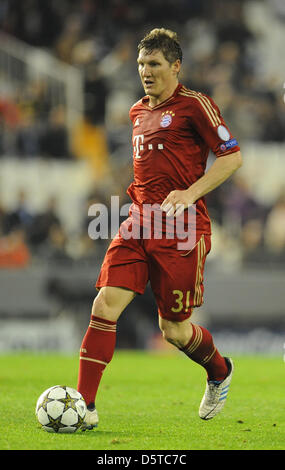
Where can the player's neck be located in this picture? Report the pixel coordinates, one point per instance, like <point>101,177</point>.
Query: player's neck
<point>165,95</point>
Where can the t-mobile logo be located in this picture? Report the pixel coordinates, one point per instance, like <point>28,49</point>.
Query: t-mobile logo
<point>138,141</point>
<point>139,145</point>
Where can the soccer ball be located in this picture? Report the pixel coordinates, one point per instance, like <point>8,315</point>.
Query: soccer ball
<point>61,409</point>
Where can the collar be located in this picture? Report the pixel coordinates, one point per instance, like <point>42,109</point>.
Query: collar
<point>145,99</point>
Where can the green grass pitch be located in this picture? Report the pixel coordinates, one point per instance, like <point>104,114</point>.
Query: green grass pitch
<point>147,401</point>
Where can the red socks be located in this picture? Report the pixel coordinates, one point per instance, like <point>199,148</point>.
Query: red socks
<point>96,352</point>
<point>202,350</point>
<point>98,347</point>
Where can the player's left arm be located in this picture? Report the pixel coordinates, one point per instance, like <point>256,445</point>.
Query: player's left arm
<point>220,171</point>
<point>206,119</point>
<point>222,168</point>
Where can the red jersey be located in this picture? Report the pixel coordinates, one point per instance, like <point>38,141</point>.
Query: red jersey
<point>171,144</point>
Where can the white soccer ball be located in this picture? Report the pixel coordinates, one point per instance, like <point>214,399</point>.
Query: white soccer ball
<point>61,409</point>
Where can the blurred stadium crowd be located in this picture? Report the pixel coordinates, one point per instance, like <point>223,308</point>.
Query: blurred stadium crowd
<point>227,54</point>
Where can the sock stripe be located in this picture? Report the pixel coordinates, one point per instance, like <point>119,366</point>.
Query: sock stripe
<point>209,357</point>
<point>103,320</point>
<point>196,342</point>
<point>93,360</point>
<point>102,326</point>
<point>202,350</point>
<point>96,352</point>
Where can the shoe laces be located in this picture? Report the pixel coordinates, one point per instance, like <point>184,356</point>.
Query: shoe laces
<point>212,390</point>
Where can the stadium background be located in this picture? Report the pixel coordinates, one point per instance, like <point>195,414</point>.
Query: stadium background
<point>67,79</point>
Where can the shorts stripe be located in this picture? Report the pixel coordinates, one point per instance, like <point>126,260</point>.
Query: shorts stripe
<point>198,295</point>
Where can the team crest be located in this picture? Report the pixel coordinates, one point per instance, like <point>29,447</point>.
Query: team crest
<point>166,118</point>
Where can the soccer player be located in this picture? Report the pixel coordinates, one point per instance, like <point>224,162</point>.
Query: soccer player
<point>173,130</point>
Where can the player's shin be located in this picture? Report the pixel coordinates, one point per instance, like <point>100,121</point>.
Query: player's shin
<point>96,352</point>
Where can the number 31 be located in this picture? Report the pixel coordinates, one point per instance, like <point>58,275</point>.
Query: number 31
<point>179,301</point>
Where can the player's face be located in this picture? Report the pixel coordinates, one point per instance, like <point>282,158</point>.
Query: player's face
<point>158,76</point>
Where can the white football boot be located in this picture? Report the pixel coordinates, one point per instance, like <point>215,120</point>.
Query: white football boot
<point>91,420</point>
<point>215,394</point>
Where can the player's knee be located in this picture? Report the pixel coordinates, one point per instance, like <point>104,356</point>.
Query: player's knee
<point>102,307</point>
<point>170,334</point>
<point>107,305</point>
<point>170,338</point>
<point>111,302</point>
<point>176,333</point>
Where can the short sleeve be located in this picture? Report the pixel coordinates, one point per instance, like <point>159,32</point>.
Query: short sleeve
<point>206,119</point>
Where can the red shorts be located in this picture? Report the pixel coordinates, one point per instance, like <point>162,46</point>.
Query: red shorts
<point>176,276</point>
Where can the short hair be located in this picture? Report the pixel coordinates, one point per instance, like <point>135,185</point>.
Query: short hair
<point>164,40</point>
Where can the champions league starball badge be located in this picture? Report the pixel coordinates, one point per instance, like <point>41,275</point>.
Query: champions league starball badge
<point>223,133</point>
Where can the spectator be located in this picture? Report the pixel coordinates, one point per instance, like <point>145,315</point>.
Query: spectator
<point>252,242</point>
<point>240,205</point>
<point>54,140</point>
<point>42,223</point>
<point>14,252</point>
<point>55,248</point>
<point>89,143</point>
<point>95,95</point>
<point>4,220</point>
<point>21,217</point>
<point>28,135</point>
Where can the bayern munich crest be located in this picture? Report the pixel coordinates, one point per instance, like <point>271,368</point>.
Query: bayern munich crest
<point>166,118</point>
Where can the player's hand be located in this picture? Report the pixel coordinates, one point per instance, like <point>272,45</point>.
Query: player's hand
<point>176,202</point>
